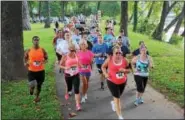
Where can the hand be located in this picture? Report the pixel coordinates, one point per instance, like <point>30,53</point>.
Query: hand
<point>26,64</point>
<point>106,75</point>
<point>122,70</point>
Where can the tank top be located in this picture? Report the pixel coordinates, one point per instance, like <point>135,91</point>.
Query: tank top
<point>72,63</point>
<point>36,59</point>
<point>114,75</point>
<point>141,68</point>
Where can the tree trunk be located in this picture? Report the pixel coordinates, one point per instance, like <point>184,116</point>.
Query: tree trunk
<point>124,16</point>
<point>40,6</point>
<point>178,25</point>
<point>157,34</point>
<point>47,22</point>
<point>12,41</point>
<point>150,11</point>
<point>62,8</point>
<point>135,16</point>
<point>173,22</point>
<point>130,19</point>
<point>183,33</point>
<point>25,16</point>
<point>98,5</point>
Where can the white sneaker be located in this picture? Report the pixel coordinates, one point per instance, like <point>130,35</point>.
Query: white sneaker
<point>70,93</point>
<point>83,100</point>
<point>113,105</point>
<point>85,96</point>
<point>121,118</point>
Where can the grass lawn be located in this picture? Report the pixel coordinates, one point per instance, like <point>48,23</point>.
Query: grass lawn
<point>16,101</point>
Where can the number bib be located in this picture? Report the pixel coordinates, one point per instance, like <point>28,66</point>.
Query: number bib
<point>101,58</point>
<point>36,63</point>
<point>119,75</point>
<point>73,70</point>
<point>84,66</point>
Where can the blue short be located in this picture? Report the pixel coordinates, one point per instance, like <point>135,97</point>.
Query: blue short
<point>87,74</point>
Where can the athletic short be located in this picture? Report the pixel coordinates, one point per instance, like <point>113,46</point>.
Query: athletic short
<point>38,76</point>
<point>140,83</point>
<point>116,90</point>
<point>58,56</point>
<point>87,74</point>
<point>73,81</point>
<point>99,68</point>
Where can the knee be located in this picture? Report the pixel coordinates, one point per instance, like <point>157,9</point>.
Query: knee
<point>76,91</point>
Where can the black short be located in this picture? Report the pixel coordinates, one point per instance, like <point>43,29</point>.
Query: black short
<point>140,83</point>
<point>99,68</point>
<point>73,81</point>
<point>38,76</point>
<point>116,90</point>
<point>58,56</point>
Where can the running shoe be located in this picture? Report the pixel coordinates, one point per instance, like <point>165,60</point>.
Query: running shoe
<point>113,106</point>
<point>121,118</point>
<point>136,103</point>
<point>141,101</point>
<point>83,100</point>
<point>66,96</point>
<point>78,107</point>
<point>70,93</point>
<point>85,96</point>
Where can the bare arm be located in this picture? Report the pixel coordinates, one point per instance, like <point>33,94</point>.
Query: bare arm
<point>26,56</point>
<point>104,66</point>
<point>62,62</point>
<point>151,64</point>
<point>133,62</point>
<point>45,55</point>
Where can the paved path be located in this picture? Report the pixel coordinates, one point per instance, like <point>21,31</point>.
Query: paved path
<point>98,104</point>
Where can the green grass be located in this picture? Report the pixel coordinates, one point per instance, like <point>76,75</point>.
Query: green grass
<point>16,101</point>
<point>168,74</point>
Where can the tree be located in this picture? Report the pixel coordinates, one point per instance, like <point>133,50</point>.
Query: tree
<point>174,20</point>
<point>25,16</point>
<point>63,9</point>
<point>40,6</point>
<point>178,25</point>
<point>12,41</point>
<point>150,11</point>
<point>98,5</point>
<point>135,16</point>
<point>124,16</point>
<point>47,21</point>
<point>157,34</point>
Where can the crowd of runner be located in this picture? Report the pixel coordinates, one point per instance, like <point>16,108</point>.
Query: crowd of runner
<point>78,48</point>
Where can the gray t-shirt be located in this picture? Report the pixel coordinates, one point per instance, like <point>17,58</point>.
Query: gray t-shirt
<point>125,41</point>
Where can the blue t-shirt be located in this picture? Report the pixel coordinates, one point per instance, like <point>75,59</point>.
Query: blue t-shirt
<point>100,48</point>
<point>93,38</point>
<point>109,39</point>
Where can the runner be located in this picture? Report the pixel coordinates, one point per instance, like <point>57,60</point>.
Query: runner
<point>34,60</point>
<point>109,39</point>
<point>76,36</point>
<point>100,53</point>
<point>70,65</point>
<point>142,63</point>
<point>137,51</point>
<point>125,39</point>
<point>116,77</point>
<point>124,48</point>
<point>85,60</point>
<point>85,37</point>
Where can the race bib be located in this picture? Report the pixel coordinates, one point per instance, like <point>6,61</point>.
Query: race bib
<point>119,75</point>
<point>101,58</point>
<point>36,63</point>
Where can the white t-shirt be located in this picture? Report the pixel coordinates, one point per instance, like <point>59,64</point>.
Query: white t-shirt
<point>63,47</point>
<point>76,38</point>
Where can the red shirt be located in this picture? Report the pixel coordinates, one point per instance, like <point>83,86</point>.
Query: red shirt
<point>113,71</point>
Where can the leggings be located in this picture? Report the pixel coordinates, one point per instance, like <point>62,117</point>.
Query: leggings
<point>116,90</point>
<point>140,83</point>
<point>72,81</point>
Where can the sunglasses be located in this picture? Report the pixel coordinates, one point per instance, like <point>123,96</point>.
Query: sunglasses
<point>118,53</point>
<point>73,50</point>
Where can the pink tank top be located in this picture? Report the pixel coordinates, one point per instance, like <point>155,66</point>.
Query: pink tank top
<point>73,64</point>
<point>85,60</point>
<point>114,75</point>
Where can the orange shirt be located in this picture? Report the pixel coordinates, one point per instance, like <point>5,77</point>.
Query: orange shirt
<point>36,59</point>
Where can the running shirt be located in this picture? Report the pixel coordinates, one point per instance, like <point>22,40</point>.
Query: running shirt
<point>76,38</point>
<point>109,39</point>
<point>100,48</point>
<point>72,63</point>
<point>93,38</point>
<point>141,67</point>
<point>36,59</point>
<point>114,75</point>
<point>85,58</point>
